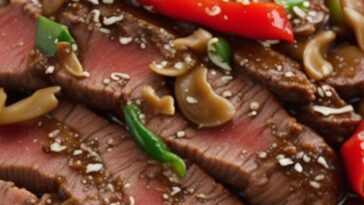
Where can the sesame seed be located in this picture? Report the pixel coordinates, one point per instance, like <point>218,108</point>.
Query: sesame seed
<point>315,184</point>
<point>299,155</point>
<point>77,152</point>
<point>131,200</point>
<point>181,134</point>
<point>227,93</point>
<point>165,196</point>
<point>105,30</point>
<point>285,162</point>
<point>175,190</point>
<point>54,133</point>
<point>178,65</point>
<point>298,167</point>
<point>254,105</point>
<point>125,40</point>
<point>106,81</point>
<point>321,160</point>
<point>289,74</point>
<point>262,155</point>
<point>320,177</point>
<point>201,196</point>
<point>191,100</point>
<point>50,70</point>
<point>56,147</point>
<point>306,158</point>
<point>227,78</point>
<point>280,156</point>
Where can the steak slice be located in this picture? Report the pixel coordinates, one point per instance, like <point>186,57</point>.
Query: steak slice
<point>10,194</point>
<point>258,154</point>
<point>336,128</point>
<point>17,42</point>
<point>53,158</point>
<point>348,75</point>
<point>281,75</point>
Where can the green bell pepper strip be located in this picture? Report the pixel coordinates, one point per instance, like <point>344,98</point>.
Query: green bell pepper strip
<point>289,4</point>
<point>336,12</point>
<point>219,52</point>
<point>48,32</point>
<point>150,143</point>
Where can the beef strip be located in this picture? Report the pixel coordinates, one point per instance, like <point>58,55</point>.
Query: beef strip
<point>16,39</point>
<point>316,18</point>
<point>348,75</point>
<point>336,128</point>
<point>10,194</point>
<point>257,154</point>
<point>281,75</point>
<point>30,157</point>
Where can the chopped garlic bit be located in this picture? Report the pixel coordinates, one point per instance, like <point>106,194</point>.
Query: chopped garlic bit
<point>56,147</point>
<point>92,168</point>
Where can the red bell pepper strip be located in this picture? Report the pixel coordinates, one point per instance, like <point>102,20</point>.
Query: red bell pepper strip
<point>259,20</point>
<point>353,154</point>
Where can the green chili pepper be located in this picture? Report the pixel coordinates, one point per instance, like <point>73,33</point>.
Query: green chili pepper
<point>150,143</point>
<point>219,52</point>
<point>48,33</point>
<point>290,4</point>
<point>336,12</point>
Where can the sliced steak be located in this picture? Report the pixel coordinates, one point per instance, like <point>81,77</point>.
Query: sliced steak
<point>334,127</point>
<point>259,154</point>
<point>348,75</point>
<point>281,75</point>
<point>18,44</point>
<point>98,164</point>
<point>10,194</point>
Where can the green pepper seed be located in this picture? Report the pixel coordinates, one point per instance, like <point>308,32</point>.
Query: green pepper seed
<point>48,33</point>
<point>219,52</point>
<point>150,143</point>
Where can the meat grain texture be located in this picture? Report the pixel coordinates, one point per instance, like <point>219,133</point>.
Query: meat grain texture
<point>128,176</point>
<point>258,152</point>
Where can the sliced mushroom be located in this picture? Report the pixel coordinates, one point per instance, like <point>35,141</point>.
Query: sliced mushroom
<point>316,66</point>
<point>196,41</point>
<point>198,101</point>
<point>68,60</point>
<point>174,68</point>
<point>163,105</point>
<point>355,19</point>
<point>50,7</point>
<point>39,104</point>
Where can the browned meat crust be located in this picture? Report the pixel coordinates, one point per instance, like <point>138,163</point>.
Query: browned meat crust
<point>257,153</point>
<point>335,128</point>
<point>348,76</point>
<point>281,75</point>
<point>128,176</point>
